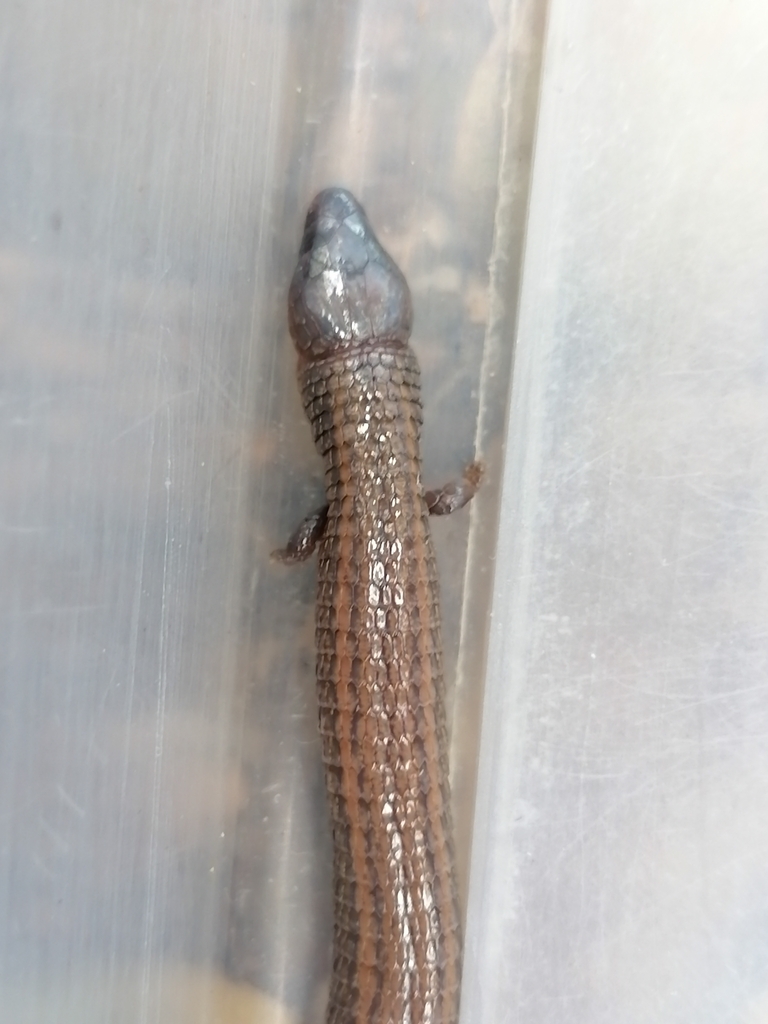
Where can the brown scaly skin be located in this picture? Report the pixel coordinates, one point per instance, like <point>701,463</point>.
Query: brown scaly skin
<point>397,935</point>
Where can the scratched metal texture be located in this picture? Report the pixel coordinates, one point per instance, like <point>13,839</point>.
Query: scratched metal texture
<point>620,858</point>
<point>165,853</point>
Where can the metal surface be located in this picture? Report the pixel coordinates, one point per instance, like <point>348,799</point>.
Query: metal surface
<point>165,853</point>
<point>619,862</point>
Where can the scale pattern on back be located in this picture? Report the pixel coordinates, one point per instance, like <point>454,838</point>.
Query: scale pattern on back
<point>397,942</point>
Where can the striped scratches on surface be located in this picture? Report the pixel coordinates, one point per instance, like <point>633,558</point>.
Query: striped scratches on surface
<point>397,945</point>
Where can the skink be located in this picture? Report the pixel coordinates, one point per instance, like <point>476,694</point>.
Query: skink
<point>397,935</point>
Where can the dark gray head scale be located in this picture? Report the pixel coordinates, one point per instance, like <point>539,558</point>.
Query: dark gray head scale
<point>346,292</point>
